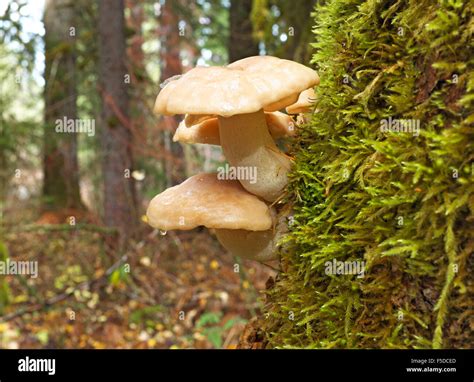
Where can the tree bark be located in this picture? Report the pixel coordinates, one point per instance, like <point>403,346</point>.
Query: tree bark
<point>119,188</point>
<point>60,164</point>
<point>241,41</point>
<point>298,18</point>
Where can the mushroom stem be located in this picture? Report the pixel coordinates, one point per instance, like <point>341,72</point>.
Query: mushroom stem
<point>254,245</point>
<point>247,143</point>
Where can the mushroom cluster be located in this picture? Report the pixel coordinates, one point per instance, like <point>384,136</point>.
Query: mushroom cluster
<point>236,107</point>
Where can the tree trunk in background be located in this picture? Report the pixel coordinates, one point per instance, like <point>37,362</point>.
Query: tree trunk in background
<point>135,21</point>
<point>241,42</point>
<point>171,66</point>
<point>136,64</point>
<point>139,81</point>
<point>298,17</point>
<point>60,164</point>
<point>119,188</point>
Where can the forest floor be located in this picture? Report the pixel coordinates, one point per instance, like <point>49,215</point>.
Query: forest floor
<point>179,290</point>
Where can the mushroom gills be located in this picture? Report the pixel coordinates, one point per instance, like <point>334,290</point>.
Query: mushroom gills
<point>247,143</point>
<point>254,245</point>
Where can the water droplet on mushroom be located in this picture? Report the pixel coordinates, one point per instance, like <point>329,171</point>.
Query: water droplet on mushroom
<point>162,233</point>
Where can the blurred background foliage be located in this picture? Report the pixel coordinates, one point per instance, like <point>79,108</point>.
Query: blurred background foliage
<point>279,28</point>
<point>82,269</point>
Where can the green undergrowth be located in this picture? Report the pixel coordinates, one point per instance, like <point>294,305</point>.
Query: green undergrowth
<point>400,202</point>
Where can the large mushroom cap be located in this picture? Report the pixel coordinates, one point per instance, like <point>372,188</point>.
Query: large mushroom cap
<point>205,200</point>
<point>207,131</point>
<point>245,86</point>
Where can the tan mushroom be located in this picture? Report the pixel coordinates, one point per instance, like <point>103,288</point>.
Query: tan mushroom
<point>243,223</point>
<point>192,120</point>
<point>305,102</point>
<point>207,131</point>
<point>238,95</point>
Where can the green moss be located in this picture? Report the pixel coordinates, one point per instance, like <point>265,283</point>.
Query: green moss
<point>402,203</point>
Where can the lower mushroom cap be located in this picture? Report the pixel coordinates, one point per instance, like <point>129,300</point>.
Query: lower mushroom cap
<point>243,222</point>
<point>254,245</point>
<point>206,200</point>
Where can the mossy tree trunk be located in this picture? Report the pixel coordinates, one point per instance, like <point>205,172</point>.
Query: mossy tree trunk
<point>377,193</point>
